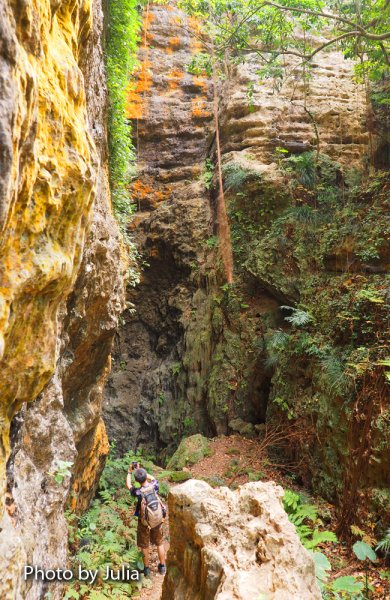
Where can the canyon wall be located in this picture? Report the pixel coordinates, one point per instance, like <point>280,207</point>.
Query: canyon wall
<point>171,112</point>
<point>61,278</point>
<point>199,355</point>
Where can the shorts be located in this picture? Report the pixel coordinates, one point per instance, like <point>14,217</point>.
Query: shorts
<point>146,536</point>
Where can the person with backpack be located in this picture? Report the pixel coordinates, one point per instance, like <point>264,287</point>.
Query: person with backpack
<point>151,513</point>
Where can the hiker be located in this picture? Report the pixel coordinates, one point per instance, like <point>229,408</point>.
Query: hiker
<point>151,514</point>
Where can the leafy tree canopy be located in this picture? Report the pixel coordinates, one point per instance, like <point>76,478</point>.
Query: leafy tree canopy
<point>359,28</point>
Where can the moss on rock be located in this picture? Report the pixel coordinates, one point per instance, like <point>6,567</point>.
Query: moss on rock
<point>190,451</point>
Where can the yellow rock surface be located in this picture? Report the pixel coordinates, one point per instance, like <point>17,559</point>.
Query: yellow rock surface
<point>49,192</point>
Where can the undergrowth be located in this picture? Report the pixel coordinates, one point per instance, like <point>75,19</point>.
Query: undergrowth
<point>309,527</point>
<point>105,535</point>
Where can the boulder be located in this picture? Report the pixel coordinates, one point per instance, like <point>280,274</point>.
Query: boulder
<point>242,427</point>
<point>235,545</point>
<point>190,451</point>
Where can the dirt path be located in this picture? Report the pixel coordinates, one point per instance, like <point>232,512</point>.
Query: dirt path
<point>153,585</point>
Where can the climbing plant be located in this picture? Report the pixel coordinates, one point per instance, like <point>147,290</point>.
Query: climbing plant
<point>123,35</point>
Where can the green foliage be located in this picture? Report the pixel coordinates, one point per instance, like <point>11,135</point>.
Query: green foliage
<point>106,533</point>
<point>298,317</point>
<point>363,551</point>
<point>123,29</point>
<point>61,470</point>
<point>208,173</point>
<point>301,514</point>
<point>322,566</point>
<point>304,167</point>
<point>179,476</point>
<point>347,584</point>
<point>275,343</point>
<point>273,29</point>
<point>200,65</point>
<point>176,368</point>
<point>384,543</point>
<point>234,176</point>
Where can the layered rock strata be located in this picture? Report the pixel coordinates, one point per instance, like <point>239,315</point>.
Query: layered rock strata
<point>181,363</point>
<point>61,281</point>
<point>170,109</point>
<point>234,545</point>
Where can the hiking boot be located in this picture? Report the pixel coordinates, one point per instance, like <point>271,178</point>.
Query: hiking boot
<point>146,571</point>
<point>162,569</point>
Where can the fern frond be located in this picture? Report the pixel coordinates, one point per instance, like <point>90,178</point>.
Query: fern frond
<point>384,544</point>
<point>298,317</point>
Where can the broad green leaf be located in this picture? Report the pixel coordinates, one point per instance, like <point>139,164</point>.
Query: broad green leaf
<point>363,551</point>
<point>322,565</point>
<point>348,583</point>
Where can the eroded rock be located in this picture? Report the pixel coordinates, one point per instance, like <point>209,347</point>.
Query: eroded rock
<point>237,545</point>
<point>61,282</point>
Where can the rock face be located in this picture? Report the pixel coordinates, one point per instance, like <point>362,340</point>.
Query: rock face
<point>61,283</point>
<point>234,545</point>
<point>190,451</point>
<point>198,356</point>
<point>170,109</point>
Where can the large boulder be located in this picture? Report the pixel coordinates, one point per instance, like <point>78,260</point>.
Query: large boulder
<point>190,451</point>
<point>237,545</point>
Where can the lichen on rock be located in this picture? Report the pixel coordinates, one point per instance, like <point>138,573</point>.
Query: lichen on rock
<point>61,288</point>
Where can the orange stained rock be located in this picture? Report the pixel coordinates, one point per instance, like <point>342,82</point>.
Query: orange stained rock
<point>175,42</point>
<point>201,83</point>
<point>194,26</point>
<point>137,89</point>
<point>174,76</point>
<point>147,196</point>
<point>89,464</point>
<point>200,109</point>
<point>148,18</point>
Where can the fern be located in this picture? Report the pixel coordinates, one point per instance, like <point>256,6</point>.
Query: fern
<point>298,317</point>
<point>304,214</point>
<point>235,176</point>
<point>384,544</point>
<point>319,537</point>
<point>274,345</point>
<point>334,374</point>
<point>304,167</point>
<point>299,514</point>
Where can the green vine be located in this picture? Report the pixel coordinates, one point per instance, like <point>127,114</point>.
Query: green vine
<point>123,35</point>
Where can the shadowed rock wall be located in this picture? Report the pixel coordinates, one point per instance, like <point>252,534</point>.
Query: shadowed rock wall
<point>170,109</point>
<point>61,281</point>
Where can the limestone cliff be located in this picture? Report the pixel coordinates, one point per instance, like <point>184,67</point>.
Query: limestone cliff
<point>198,355</point>
<point>61,283</point>
<point>171,114</point>
<point>234,545</point>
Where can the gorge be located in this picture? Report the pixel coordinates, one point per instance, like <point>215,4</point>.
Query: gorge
<point>292,354</point>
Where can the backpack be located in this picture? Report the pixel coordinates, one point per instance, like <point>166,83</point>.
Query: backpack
<point>152,510</point>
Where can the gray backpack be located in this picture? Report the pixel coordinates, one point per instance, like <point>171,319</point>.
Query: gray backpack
<point>152,509</point>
